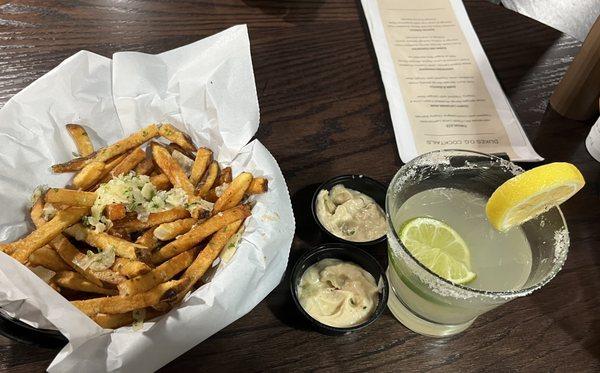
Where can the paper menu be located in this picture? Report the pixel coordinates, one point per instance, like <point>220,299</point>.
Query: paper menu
<point>440,87</point>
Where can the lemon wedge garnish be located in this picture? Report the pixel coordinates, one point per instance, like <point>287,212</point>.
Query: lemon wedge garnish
<point>532,193</point>
<point>439,248</point>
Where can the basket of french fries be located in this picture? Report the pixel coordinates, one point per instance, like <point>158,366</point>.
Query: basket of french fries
<point>155,235</point>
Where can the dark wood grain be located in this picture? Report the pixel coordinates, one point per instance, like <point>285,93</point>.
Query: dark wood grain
<point>324,113</point>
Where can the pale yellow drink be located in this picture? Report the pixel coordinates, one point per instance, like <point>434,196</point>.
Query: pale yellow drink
<point>453,187</point>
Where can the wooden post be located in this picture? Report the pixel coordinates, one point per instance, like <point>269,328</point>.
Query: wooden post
<point>576,96</point>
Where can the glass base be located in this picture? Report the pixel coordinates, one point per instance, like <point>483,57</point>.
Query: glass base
<point>418,324</point>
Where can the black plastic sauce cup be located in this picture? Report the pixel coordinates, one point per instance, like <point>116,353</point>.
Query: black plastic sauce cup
<point>347,253</point>
<point>360,183</point>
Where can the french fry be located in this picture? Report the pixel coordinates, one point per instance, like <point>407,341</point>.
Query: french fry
<point>134,140</point>
<point>45,256</point>
<point>168,231</point>
<point>119,233</point>
<point>115,211</point>
<point>200,232</point>
<point>127,164</point>
<point>89,175</point>
<point>72,165</point>
<point>117,320</point>
<point>75,281</point>
<point>105,241</point>
<point>224,177</point>
<point>22,248</point>
<point>204,260</point>
<point>160,181</point>
<point>120,304</point>
<point>258,185</point>
<point>106,276</point>
<point>171,168</point>
<point>130,268</point>
<point>234,193</point>
<point>172,148</point>
<point>211,251</point>
<point>155,218</point>
<point>54,286</point>
<point>37,212</point>
<point>171,133</point>
<point>70,197</point>
<point>162,273</point>
<point>211,196</point>
<point>145,167</point>
<point>147,239</point>
<point>211,177</point>
<point>203,159</point>
<point>108,167</point>
<point>81,139</point>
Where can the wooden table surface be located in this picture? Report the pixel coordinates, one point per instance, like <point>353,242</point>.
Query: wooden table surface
<point>324,113</point>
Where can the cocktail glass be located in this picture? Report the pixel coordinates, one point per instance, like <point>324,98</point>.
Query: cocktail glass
<point>427,303</point>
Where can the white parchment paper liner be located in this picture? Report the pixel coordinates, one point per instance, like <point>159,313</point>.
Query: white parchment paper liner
<point>207,89</point>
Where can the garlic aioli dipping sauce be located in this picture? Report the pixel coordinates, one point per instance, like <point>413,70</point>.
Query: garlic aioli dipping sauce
<point>350,214</point>
<point>337,293</point>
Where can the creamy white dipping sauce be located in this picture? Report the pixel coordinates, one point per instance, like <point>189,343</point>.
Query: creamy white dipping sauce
<point>337,293</point>
<point>350,214</point>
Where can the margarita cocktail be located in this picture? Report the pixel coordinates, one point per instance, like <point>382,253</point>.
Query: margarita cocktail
<point>447,262</point>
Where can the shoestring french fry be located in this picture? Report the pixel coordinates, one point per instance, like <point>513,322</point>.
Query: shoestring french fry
<point>155,218</point>
<point>163,272</point>
<point>173,147</point>
<point>121,304</point>
<point>171,168</point>
<point>233,195</point>
<point>37,212</point>
<point>88,175</point>
<point>134,140</point>
<point>70,197</point>
<point>145,167</point>
<point>72,165</point>
<point>22,248</point>
<point>120,233</point>
<point>45,256</point>
<point>142,261</point>
<point>75,281</point>
<point>81,139</point>
<point>117,320</point>
<point>161,182</point>
<point>201,163</point>
<point>211,196</point>
<point>211,176</point>
<point>127,164</point>
<point>171,133</point>
<point>200,232</point>
<point>148,239</point>
<point>168,231</point>
<point>108,167</point>
<point>259,185</point>
<point>204,260</point>
<point>130,268</point>
<point>54,286</point>
<point>105,241</point>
